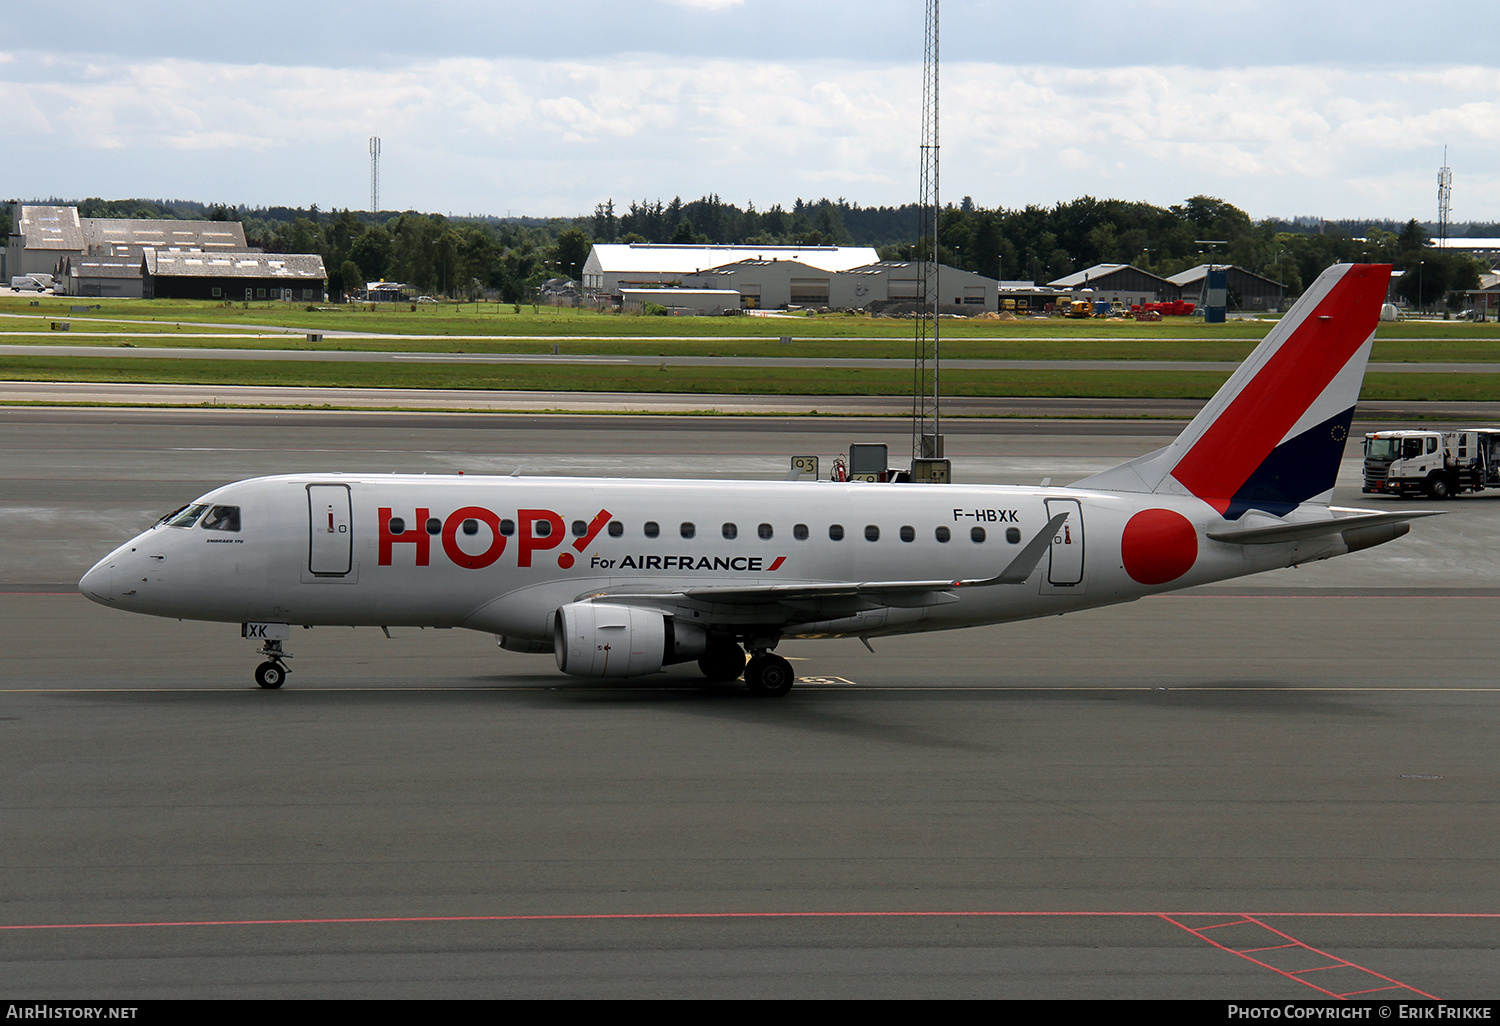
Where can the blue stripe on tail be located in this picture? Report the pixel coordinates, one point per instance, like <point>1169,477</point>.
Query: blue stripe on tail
<point>1295,470</point>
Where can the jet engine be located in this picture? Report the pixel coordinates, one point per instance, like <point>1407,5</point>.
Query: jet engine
<point>592,639</point>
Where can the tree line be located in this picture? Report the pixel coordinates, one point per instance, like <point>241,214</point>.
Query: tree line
<point>469,257</point>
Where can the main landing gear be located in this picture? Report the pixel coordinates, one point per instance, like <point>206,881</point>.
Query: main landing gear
<point>271,674</point>
<point>765,674</point>
<point>769,674</point>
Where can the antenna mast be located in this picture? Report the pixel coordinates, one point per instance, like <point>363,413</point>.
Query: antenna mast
<point>374,175</point>
<point>926,437</point>
<point>1445,193</point>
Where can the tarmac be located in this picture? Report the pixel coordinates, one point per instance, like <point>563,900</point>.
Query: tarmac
<point>1280,788</point>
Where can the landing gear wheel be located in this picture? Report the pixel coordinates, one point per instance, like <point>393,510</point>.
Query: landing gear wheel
<point>722,662</point>
<point>769,675</point>
<point>1437,488</point>
<point>270,675</point>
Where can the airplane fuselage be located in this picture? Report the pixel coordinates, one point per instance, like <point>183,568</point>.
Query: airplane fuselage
<point>501,554</point>
<point>621,578</point>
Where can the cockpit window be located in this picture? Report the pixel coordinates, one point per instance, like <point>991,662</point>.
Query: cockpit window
<point>222,518</point>
<point>185,517</point>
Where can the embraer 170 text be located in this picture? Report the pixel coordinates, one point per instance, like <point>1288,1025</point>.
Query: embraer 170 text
<point>621,578</point>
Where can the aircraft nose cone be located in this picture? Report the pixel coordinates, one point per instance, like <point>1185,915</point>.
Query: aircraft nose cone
<point>98,583</point>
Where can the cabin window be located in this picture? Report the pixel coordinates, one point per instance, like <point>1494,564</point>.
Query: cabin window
<point>471,526</point>
<point>942,534</point>
<point>652,529</point>
<point>616,529</point>
<point>976,534</point>
<point>580,529</point>
<point>765,532</point>
<point>836,532</point>
<point>222,518</point>
<point>799,531</point>
<point>872,533</point>
<point>908,533</point>
<point>507,527</point>
<point>543,528</point>
<point>688,529</point>
<point>398,525</point>
<point>731,532</point>
<point>434,525</point>
<point>1013,535</point>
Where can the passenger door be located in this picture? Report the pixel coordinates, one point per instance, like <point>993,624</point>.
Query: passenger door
<point>1065,557</point>
<point>331,541</point>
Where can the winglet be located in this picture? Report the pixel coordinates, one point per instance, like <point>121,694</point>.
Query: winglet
<point>1026,560</point>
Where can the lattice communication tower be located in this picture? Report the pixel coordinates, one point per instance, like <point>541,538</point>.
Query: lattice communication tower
<point>926,436</point>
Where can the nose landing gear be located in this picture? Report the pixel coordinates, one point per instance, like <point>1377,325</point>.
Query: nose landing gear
<point>271,674</point>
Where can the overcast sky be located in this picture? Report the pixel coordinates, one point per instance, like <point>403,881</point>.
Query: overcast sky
<point>1283,107</point>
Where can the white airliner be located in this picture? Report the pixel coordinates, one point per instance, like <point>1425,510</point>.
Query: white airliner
<point>619,578</point>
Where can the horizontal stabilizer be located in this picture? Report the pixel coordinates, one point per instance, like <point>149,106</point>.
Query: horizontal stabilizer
<point>1273,533</point>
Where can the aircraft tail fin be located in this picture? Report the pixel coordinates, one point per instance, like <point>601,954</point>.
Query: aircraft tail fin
<point>1271,438</point>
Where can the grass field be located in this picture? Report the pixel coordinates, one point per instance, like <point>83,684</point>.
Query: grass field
<point>488,319</point>
<point>699,380</point>
<point>1445,351</point>
<point>165,323</point>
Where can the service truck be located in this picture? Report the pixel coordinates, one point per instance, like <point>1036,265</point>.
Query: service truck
<point>1438,463</point>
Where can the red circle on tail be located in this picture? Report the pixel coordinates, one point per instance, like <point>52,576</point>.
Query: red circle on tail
<point>1158,546</point>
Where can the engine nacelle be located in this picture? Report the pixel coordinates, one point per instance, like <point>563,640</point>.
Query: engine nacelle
<point>592,639</point>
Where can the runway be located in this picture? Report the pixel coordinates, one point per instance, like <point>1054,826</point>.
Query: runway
<point>1109,804</point>
<point>831,363</point>
<point>429,400</point>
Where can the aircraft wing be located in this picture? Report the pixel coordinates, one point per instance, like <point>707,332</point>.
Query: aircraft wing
<point>894,593</point>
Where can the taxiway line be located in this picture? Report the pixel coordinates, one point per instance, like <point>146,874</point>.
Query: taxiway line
<point>884,914</point>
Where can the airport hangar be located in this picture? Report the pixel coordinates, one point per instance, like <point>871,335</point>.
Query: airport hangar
<point>148,258</point>
<point>692,279</point>
<point>1126,285</point>
<point>774,278</point>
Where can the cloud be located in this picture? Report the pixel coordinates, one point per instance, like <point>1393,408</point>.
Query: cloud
<point>553,137</point>
<point>705,5</point>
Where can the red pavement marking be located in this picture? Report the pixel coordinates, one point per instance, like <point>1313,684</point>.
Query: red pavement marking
<point>1299,975</point>
<point>1222,920</point>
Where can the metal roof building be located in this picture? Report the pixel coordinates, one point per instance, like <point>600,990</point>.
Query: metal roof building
<point>777,284</point>
<point>1248,290</point>
<point>1120,283</point>
<point>103,276</point>
<point>39,237</point>
<point>118,236</point>
<point>233,276</point>
<point>611,266</point>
